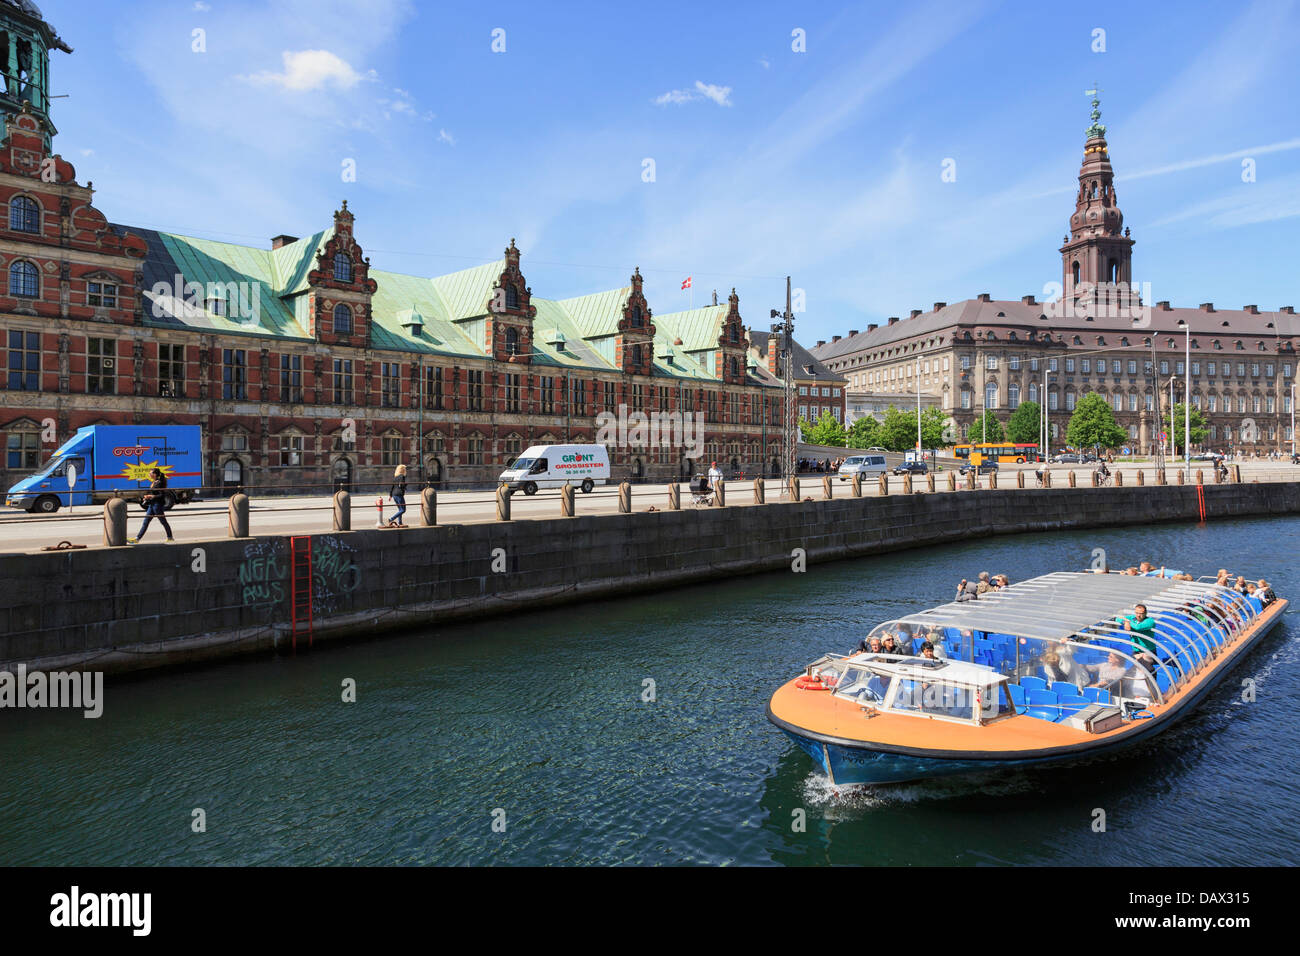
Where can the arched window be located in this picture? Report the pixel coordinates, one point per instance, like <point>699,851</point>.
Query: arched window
<point>735,368</point>
<point>1013,395</point>
<point>1074,271</point>
<point>512,341</point>
<point>342,319</point>
<point>636,316</point>
<point>24,280</point>
<point>735,332</point>
<point>512,297</point>
<point>1033,393</point>
<point>24,215</point>
<point>1113,270</point>
<point>342,267</point>
<point>636,356</point>
<point>991,395</point>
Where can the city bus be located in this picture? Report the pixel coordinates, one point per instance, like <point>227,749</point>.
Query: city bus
<point>998,451</point>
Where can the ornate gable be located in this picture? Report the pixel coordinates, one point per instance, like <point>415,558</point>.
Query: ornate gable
<point>341,287</point>
<point>508,331</point>
<point>634,344</point>
<point>732,345</point>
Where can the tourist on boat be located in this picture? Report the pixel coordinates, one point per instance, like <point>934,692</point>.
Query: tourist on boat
<point>1052,669</point>
<point>892,646</point>
<point>984,584</point>
<point>1109,673</point>
<point>1130,571</point>
<point>970,593</point>
<point>1063,666</point>
<point>1240,586</point>
<point>1222,579</point>
<point>1143,629</point>
<point>1264,592</point>
<point>961,589</point>
<point>927,651</point>
<point>1002,581</point>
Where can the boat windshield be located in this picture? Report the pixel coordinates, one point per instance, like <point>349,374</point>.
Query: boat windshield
<point>946,690</point>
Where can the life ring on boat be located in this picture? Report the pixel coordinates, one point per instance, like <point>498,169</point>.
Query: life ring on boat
<point>816,683</point>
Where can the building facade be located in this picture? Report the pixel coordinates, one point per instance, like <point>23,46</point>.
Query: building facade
<point>307,369</point>
<point>1098,336</point>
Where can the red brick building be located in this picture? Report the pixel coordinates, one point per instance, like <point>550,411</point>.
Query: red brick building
<point>307,368</point>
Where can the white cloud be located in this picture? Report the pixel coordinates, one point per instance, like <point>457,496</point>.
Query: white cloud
<point>307,70</point>
<point>719,94</point>
<point>445,137</point>
<point>765,62</point>
<point>201,7</point>
<point>87,152</point>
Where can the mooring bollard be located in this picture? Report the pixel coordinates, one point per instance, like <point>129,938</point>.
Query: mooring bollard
<point>566,500</point>
<point>884,484</point>
<point>1200,476</point>
<point>952,481</point>
<point>1160,476</point>
<point>114,523</point>
<point>1119,478</point>
<point>342,511</point>
<point>625,498</point>
<point>1141,477</point>
<point>1236,473</point>
<point>828,487</point>
<point>238,516</point>
<point>1182,478</point>
<point>929,481</point>
<point>1096,479</point>
<point>1020,479</point>
<point>1047,477</point>
<point>970,480</point>
<point>760,491</point>
<point>503,502</point>
<point>720,494</point>
<point>674,497</point>
<point>793,488</point>
<point>857,484</point>
<point>993,481</point>
<point>907,483</point>
<point>1074,483</point>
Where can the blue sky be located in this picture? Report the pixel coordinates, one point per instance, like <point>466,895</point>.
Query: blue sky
<point>824,165</point>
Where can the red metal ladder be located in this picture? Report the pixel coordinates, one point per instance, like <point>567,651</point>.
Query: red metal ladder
<point>300,588</point>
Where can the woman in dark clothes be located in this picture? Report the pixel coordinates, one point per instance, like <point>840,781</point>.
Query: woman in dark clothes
<point>398,494</point>
<point>155,505</point>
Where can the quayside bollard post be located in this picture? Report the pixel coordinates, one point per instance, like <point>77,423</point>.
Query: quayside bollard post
<point>503,502</point>
<point>857,484</point>
<point>929,481</point>
<point>429,507</point>
<point>952,481</point>
<point>1047,477</point>
<point>1141,478</point>
<point>884,485</point>
<point>720,495</point>
<point>1181,477</point>
<point>238,516</point>
<point>1160,477</point>
<point>760,491</point>
<point>1119,478</point>
<point>794,487</point>
<point>114,523</point>
<point>828,488</point>
<point>907,483</point>
<point>566,500</point>
<point>625,498</point>
<point>674,497</point>
<point>970,480</point>
<point>993,481</point>
<point>1200,476</point>
<point>1020,479</point>
<point>342,511</point>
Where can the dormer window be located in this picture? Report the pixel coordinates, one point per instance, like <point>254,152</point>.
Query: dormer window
<point>636,316</point>
<point>512,341</point>
<point>1077,340</point>
<point>735,368</point>
<point>512,297</point>
<point>636,356</point>
<point>342,319</point>
<point>24,215</point>
<point>342,267</point>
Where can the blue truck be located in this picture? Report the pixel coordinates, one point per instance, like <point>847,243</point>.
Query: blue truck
<point>114,461</point>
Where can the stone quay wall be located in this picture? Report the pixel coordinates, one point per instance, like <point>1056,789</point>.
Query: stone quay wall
<point>119,609</point>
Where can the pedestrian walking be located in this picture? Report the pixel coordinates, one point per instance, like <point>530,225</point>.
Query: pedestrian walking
<point>398,493</point>
<point>155,505</point>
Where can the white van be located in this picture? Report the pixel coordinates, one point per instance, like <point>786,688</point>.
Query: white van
<point>864,465</point>
<point>550,466</point>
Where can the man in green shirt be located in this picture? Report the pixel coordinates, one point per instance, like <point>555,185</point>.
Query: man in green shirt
<point>1143,630</point>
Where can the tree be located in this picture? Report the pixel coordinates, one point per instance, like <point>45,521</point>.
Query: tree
<point>1198,427</point>
<point>986,428</point>
<point>898,431</point>
<point>1093,424</point>
<point>825,431</point>
<point>1025,424</point>
<point>936,430</point>
<point>864,433</point>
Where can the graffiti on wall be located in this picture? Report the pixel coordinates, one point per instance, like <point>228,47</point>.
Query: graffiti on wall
<point>335,574</point>
<point>263,573</point>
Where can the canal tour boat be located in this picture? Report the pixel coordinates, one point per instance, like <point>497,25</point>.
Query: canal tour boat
<point>994,694</point>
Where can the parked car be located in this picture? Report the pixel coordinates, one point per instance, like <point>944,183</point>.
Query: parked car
<point>911,468</point>
<point>1067,458</point>
<point>865,465</point>
<point>1207,456</point>
<point>985,468</point>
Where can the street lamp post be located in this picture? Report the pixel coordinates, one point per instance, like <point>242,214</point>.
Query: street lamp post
<point>1187,403</point>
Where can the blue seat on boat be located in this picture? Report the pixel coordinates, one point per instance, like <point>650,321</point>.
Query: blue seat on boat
<point>1033,683</point>
<point>1162,679</point>
<point>1256,603</point>
<point>1043,705</point>
<point>916,644</point>
<point>1098,695</point>
<point>1072,704</point>
<point>1061,687</point>
<point>1017,695</point>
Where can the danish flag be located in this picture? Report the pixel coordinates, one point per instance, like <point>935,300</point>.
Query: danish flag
<point>687,284</point>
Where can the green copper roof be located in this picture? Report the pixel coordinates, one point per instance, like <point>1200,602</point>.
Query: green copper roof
<point>697,328</point>
<point>598,313</point>
<point>395,296</point>
<point>292,262</point>
<point>466,293</point>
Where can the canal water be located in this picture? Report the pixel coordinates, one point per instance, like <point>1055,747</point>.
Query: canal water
<point>537,723</point>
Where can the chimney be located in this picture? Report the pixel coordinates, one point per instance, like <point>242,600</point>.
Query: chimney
<point>278,241</point>
<point>852,332</point>
<point>915,313</point>
<point>836,338</point>
<point>1163,305</point>
<point>1207,306</point>
<point>893,319</point>
<point>939,305</point>
<point>984,297</point>
<point>1028,300</point>
<point>820,343</point>
<point>1252,309</point>
<point>873,326</point>
<point>1288,309</point>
